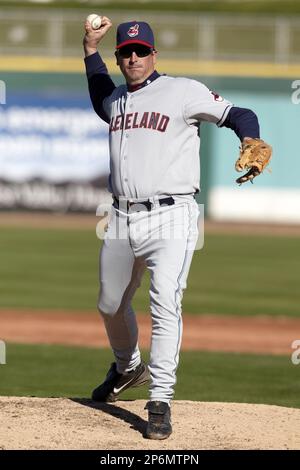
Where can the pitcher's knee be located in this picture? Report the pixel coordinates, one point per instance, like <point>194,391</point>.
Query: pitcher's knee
<point>108,309</point>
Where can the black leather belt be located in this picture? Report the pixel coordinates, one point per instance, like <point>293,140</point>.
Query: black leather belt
<point>145,205</point>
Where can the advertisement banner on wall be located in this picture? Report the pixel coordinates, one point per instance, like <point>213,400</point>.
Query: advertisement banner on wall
<point>53,152</point>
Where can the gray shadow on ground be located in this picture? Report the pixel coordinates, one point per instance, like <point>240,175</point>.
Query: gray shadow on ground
<point>136,422</point>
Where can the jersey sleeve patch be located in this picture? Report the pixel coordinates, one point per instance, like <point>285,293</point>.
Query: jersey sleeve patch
<point>216,96</point>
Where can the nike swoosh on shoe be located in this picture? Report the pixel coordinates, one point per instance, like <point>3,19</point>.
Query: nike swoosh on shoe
<point>118,390</point>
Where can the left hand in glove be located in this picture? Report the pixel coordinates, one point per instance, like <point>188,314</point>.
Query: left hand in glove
<point>254,156</point>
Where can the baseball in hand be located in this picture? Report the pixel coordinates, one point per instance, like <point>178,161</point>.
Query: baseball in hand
<point>94,20</point>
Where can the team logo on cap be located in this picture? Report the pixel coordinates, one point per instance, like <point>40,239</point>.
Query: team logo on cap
<point>216,96</point>
<point>133,30</point>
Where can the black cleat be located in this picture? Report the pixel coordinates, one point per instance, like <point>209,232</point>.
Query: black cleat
<point>116,383</point>
<point>159,420</point>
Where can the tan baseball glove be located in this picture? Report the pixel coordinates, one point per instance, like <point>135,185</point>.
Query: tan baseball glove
<point>254,156</point>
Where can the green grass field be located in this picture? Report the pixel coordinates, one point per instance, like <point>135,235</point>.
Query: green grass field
<point>233,274</point>
<point>48,371</point>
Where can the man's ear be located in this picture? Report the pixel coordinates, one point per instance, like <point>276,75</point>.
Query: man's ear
<point>117,57</point>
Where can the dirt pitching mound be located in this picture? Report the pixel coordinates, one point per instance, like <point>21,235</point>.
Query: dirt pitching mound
<point>62,423</point>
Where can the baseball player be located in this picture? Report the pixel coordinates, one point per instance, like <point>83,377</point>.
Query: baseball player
<point>154,176</point>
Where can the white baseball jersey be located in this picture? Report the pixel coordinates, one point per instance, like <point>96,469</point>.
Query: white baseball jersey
<point>154,139</point>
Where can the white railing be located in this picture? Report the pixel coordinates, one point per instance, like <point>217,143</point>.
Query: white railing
<point>192,36</point>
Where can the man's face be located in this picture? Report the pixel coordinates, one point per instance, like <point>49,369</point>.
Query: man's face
<point>136,62</point>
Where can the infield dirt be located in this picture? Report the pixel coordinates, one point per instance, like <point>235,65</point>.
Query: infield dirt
<point>262,334</point>
<point>62,423</point>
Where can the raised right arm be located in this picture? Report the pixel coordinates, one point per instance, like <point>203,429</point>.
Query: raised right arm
<point>99,82</point>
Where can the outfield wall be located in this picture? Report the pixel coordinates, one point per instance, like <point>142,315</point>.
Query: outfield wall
<point>53,148</point>
<point>275,195</point>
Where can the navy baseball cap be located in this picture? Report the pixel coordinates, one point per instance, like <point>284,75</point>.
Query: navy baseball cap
<point>134,32</point>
